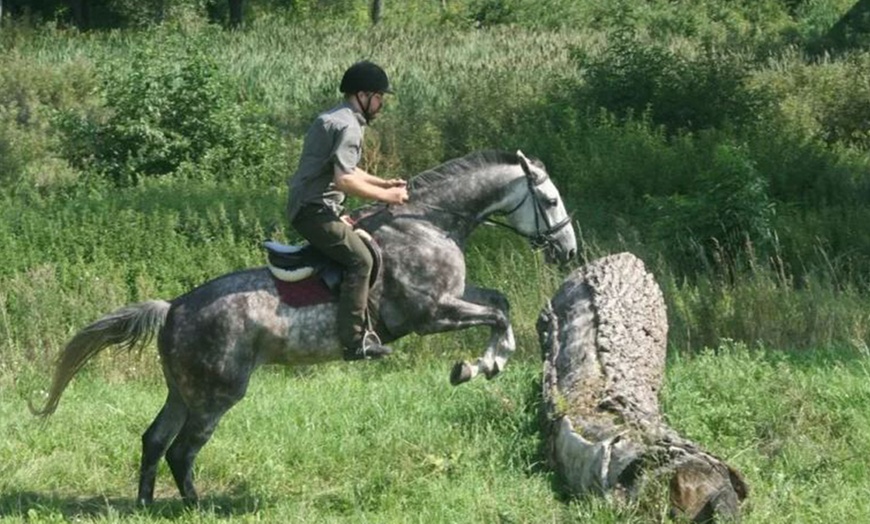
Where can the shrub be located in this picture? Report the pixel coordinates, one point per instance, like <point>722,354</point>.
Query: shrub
<point>171,108</point>
<point>680,92</point>
<point>843,96</point>
<point>29,95</point>
<point>727,214</point>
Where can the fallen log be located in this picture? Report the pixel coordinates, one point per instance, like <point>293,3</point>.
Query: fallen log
<point>604,339</point>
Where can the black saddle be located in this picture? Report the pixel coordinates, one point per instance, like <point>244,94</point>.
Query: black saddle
<point>292,263</point>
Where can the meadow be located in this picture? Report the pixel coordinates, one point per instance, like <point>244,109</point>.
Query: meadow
<point>716,143</point>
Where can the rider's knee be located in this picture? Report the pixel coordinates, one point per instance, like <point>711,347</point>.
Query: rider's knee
<point>362,262</point>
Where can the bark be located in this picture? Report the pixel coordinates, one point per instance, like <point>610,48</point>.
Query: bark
<point>80,14</point>
<point>235,13</point>
<point>604,339</point>
<point>376,11</point>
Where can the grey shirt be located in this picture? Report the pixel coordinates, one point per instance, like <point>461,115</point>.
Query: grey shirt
<point>334,139</point>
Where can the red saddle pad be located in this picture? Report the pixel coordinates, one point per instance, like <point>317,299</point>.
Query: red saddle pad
<point>306,292</point>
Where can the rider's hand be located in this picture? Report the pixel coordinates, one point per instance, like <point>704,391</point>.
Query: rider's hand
<point>396,195</point>
<point>397,182</point>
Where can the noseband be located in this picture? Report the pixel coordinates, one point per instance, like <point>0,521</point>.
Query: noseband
<point>542,237</point>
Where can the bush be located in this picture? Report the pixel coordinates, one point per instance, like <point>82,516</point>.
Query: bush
<point>171,108</point>
<point>680,92</point>
<point>30,94</point>
<point>843,96</point>
<point>725,218</point>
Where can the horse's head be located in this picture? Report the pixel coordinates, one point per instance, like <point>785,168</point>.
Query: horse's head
<point>541,216</point>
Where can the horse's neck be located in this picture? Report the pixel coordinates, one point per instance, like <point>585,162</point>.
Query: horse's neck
<point>474,195</point>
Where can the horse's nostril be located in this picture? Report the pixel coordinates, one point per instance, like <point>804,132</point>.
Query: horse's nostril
<point>572,253</point>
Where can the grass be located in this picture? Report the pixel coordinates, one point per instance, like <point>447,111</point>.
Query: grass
<point>393,442</point>
<point>384,442</point>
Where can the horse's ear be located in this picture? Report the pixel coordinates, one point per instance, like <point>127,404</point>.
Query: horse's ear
<point>530,171</point>
<point>522,157</point>
<point>524,162</point>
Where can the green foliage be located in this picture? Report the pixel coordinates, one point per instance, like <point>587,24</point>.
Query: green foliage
<point>171,110</point>
<point>631,78</point>
<point>139,164</point>
<point>842,95</point>
<point>30,95</point>
<point>791,422</point>
<point>641,173</point>
<point>727,211</point>
<point>393,442</point>
<point>484,13</point>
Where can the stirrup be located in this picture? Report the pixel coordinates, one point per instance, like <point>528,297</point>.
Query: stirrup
<point>369,349</point>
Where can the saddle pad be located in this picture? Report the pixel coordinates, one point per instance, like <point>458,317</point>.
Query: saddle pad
<point>306,292</point>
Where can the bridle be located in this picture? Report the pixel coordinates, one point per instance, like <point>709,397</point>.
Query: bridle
<point>542,238</point>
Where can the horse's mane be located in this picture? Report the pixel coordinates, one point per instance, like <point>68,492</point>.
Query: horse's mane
<point>459,166</point>
<point>428,181</point>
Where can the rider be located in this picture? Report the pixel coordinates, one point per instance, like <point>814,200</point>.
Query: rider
<point>328,171</point>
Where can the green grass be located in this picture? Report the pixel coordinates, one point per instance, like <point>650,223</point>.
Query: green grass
<point>394,442</point>
<point>376,442</point>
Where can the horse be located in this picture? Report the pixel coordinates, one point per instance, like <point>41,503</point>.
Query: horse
<point>212,338</point>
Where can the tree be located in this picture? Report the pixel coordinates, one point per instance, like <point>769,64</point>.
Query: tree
<point>604,339</point>
<point>80,13</point>
<point>235,13</point>
<point>377,10</point>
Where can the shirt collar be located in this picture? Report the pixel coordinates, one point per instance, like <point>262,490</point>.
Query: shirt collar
<point>359,116</point>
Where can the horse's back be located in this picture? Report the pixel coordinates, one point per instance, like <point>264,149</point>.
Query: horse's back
<point>233,323</point>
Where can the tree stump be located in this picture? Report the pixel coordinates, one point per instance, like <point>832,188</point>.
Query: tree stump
<point>604,342</point>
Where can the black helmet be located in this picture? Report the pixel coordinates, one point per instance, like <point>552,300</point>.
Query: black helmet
<point>367,77</point>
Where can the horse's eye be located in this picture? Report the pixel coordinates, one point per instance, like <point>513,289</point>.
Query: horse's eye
<point>552,202</point>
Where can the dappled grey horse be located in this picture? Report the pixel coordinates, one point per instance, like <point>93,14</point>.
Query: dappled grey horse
<point>212,338</point>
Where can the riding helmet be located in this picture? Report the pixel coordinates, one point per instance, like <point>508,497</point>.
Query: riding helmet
<point>367,77</point>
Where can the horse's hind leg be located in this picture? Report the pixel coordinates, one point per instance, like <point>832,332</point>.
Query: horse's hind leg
<point>156,440</point>
<point>195,432</point>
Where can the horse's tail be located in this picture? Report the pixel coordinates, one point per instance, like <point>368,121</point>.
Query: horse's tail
<point>129,327</point>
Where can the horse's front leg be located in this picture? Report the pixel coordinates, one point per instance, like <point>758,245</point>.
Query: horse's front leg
<point>501,342</point>
<point>477,307</point>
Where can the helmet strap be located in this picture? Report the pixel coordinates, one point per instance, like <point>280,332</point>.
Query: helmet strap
<point>365,109</point>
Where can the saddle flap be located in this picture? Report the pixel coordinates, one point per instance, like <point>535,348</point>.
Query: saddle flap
<point>292,263</point>
<point>285,256</point>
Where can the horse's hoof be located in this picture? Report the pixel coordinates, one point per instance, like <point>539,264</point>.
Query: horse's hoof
<point>461,373</point>
<point>492,372</point>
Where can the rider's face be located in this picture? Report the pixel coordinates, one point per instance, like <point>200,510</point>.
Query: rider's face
<point>375,102</point>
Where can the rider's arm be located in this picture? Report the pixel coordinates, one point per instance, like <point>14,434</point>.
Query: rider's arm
<point>362,184</point>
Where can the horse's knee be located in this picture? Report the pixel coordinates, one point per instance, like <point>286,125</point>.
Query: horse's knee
<point>502,321</point>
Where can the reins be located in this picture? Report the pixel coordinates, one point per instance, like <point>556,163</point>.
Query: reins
<point>540,238</point>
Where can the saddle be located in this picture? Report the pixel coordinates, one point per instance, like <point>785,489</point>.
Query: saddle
<point>304,276</point>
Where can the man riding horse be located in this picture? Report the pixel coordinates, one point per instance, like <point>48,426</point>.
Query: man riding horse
<point>328,171</point>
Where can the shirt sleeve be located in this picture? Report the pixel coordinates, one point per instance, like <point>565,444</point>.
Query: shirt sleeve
<point>348,148</point>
